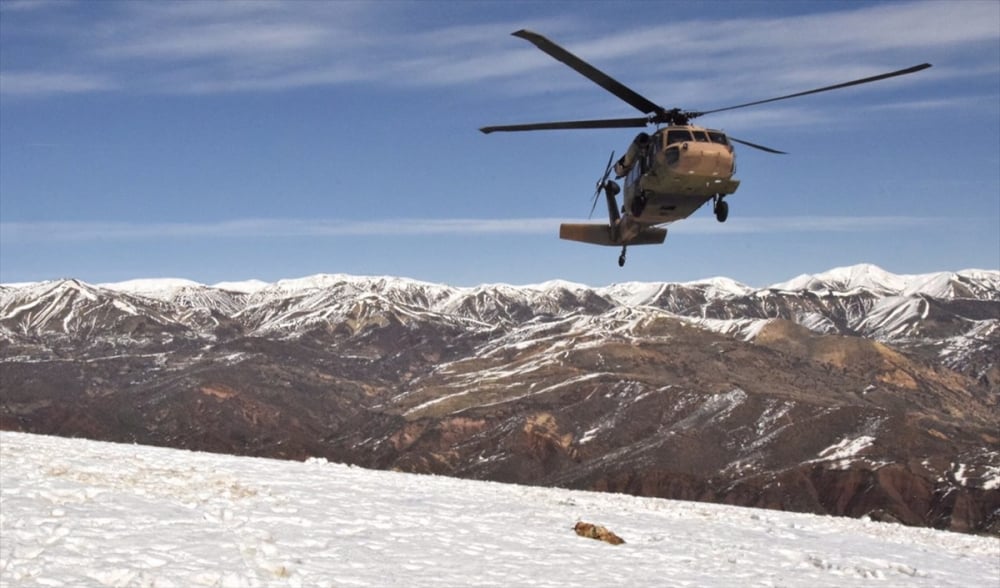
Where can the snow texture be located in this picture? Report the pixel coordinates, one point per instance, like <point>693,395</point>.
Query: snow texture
<point>84,513</point>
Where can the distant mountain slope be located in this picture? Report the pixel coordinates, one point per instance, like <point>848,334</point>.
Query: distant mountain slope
<point>854,391</point>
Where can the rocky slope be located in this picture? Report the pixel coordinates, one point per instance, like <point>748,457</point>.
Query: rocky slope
<point>854,392</point>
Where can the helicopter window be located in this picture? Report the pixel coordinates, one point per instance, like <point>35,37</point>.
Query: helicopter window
<point>671,155</point>
<point>717,137</point>
<point>678,136</point>
<point>700,136</point>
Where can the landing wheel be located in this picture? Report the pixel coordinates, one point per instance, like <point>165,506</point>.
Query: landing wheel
<point>621,258</point>
<point>721,210</point>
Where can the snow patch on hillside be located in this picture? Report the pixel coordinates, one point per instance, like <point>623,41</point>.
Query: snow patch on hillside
<point>847,447</point>
<point>157,288</point>
<point>721,287</point>
<point>244,287</point>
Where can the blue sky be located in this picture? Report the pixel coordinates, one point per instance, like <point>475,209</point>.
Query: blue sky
<point>228,140</point>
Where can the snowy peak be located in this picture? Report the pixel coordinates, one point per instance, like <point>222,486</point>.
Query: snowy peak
<point>660,294</point>
<point>721,286</point>
<point>873,279</point>
<point>243,287</point>
<point>159,288</point>
<point>349,283</point>
<point>980,284</point>
<point>74,308</point>
<point>847,279</point>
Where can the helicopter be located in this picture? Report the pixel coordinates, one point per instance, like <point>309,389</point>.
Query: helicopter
<point>668,174</point>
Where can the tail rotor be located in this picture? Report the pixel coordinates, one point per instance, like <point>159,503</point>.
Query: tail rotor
<point>610,188</point>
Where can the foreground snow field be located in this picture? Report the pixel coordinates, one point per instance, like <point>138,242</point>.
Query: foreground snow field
<point>83,513</point>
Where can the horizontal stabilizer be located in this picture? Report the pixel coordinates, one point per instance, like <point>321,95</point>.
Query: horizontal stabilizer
<point>598,234</point>
<point>586,233</point>
<point>650,236</point>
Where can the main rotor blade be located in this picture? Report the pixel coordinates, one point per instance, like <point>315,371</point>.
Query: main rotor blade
<point>884,76</point>
<point>756,146</point>
<point>604,123</point>
<point>633,98</point>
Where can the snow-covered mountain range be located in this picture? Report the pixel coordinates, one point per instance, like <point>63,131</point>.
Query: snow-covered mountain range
<point>82,513</point>
<point>846,386</point>
<point>950,315</point>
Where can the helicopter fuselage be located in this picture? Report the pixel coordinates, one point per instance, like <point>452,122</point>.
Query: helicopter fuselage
<point>672,173</point>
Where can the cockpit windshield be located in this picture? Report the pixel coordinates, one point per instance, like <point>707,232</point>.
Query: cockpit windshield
<point>678,136</point>
<point>718,137</point>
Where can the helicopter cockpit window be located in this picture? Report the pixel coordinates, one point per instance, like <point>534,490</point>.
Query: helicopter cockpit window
<point>678,136</point>
<point>700,136</point>
<point>717,137</point>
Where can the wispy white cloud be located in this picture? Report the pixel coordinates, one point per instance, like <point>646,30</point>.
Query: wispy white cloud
<point>77,231</point>
<point>207,47</point>
<point>221,40</point>
<point>13,232</point>
<point>47,83</point>
<point>952,103</point>
<point>843,42</point>
<point>27,5</point>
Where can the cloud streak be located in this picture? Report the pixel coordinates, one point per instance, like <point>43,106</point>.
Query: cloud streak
<point>83,231</point>
<point>48,83</point>
<point>23,232</point>
<point>213,47</point>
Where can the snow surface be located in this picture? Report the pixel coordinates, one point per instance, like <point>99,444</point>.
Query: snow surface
<point>83,513</point>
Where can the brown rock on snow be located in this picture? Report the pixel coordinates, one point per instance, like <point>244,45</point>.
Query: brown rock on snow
<point>598,532</point>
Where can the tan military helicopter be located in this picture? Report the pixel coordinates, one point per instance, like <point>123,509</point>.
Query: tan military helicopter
<point>669,174</point>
